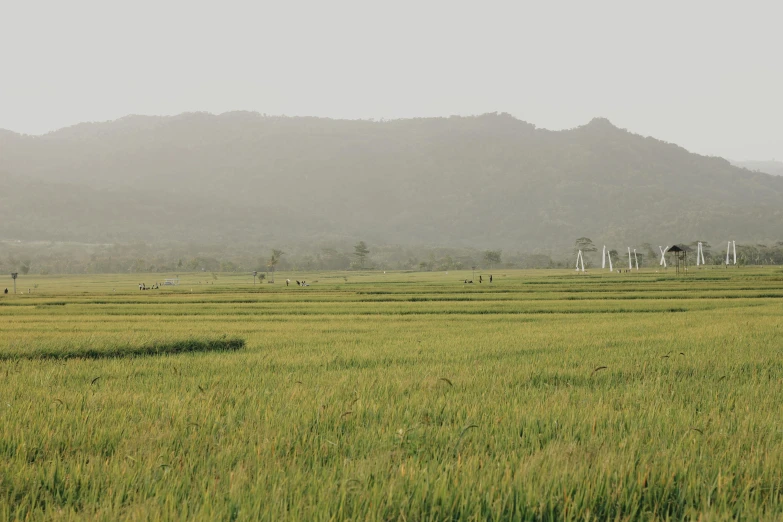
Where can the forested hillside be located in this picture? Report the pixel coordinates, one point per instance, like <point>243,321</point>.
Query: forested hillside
<point>487,181</point>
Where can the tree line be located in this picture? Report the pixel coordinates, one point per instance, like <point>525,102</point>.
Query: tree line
<point>76,258</point>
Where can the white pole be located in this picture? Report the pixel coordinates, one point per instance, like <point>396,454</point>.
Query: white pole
<point>582,259</point>
<point>610,261</point>
<point>728,250</point>
<point>578,255</point>
<point>702,255</point>
<point>663,256</point>
<point>734,244</point>
<point>698,249</point>
<point>603,258</point>
<point>636,259</point>
<point>630,266</point>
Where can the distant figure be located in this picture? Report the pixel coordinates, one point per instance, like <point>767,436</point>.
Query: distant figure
<point>471,282</point>
<point>481,280</point>
<point>6,291</point>
<point>466,281</point>
<point>490,278</point>
<point>298,283</point>
<point>287,281</point>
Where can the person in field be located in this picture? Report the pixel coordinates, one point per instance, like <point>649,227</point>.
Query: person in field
<point>490,278</point>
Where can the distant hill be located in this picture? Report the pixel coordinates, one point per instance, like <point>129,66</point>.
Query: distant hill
<point>484,181</point>
<point>769,167</point>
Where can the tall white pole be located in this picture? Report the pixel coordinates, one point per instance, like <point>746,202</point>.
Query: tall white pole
<point>630,266</point>
<point>579,258</point>
<point>728,250</point>
<point>698,250</point>
<point>603,258</point>
<point>702,255</point>
<point>734,245</point>
<point>636,259</point>
<point>610,261</point>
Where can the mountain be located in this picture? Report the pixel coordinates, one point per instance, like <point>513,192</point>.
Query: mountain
<point>769,167</point>
<point>485,181</point>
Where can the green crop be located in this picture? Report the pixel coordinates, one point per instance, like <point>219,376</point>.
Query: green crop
<point>399,396</point>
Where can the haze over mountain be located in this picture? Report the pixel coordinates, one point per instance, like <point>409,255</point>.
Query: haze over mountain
<point>487,181</point>
<point>769,167</point>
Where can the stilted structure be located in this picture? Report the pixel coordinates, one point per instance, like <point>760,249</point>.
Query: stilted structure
<point>681,258</point>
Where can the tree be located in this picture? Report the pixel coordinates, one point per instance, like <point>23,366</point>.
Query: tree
<point>640,258</point>
<point>614,255</point>
<point>585,244</point>
<point>492,257</point>
<point>25,267</point>
<point>360,250</point>
<point>275,259</point>
<point>650,253</point>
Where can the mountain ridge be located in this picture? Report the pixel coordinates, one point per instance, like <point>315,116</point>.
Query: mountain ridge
<point>489,180</point>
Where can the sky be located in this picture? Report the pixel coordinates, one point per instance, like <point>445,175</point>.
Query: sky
<point>707,75</point>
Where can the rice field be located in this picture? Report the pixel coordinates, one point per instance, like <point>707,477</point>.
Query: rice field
<point>545,395</point>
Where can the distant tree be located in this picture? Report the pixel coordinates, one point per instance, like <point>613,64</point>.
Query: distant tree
<point>585,244</point>
<point>615,255</point>
<point>360,250</point>
<point>492,257</point>
<point>650,253</point>
<point>275,259</point>
<point>640,258</point>
<point>228,266</point>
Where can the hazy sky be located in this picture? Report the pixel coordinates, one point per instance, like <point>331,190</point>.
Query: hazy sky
<point>704,74</point>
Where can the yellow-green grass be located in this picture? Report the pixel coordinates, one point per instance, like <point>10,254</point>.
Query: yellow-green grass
<point>410,396</point>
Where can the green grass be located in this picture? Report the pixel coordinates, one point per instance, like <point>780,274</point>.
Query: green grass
<point>399,396</point>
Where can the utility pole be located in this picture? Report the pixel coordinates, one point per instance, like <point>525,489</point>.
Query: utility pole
<point>13,276</point>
